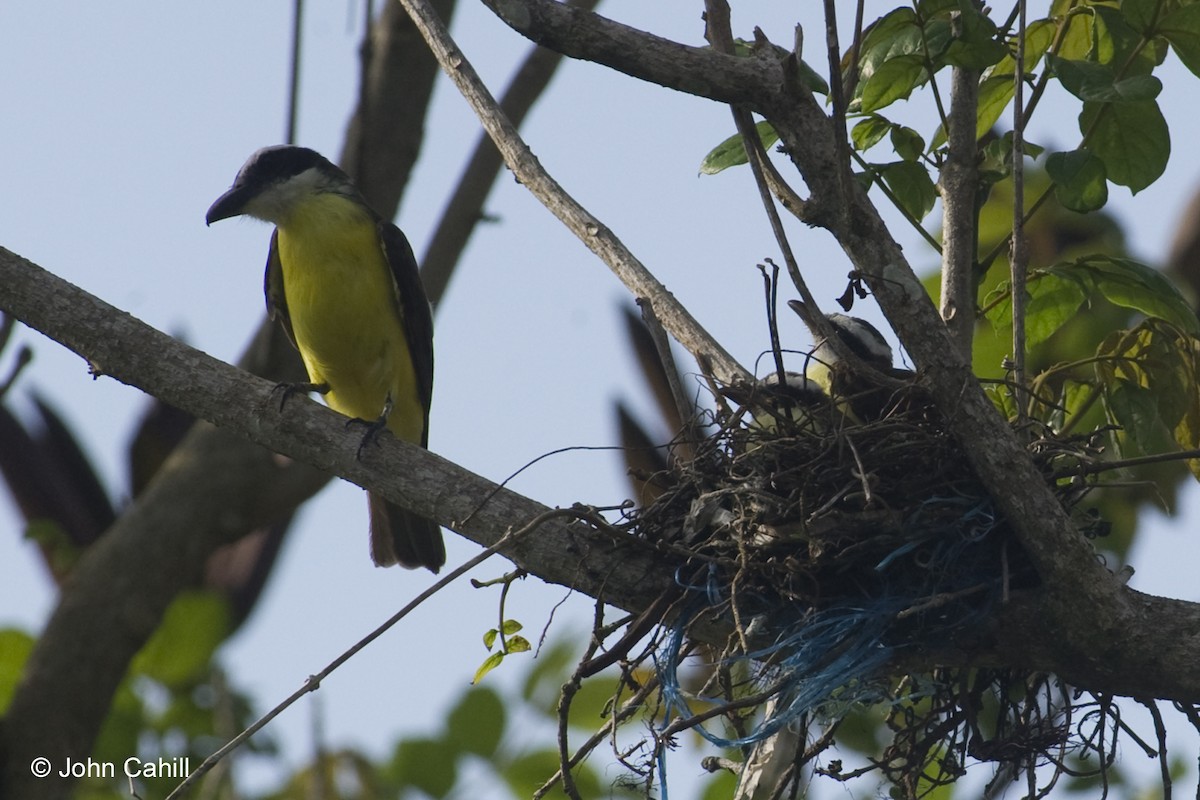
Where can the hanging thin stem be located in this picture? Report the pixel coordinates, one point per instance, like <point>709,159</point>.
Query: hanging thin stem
<point>1019,260</point>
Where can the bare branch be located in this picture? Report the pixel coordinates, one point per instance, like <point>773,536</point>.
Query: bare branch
<point>593,233</point>
<point>465,207</point>
<point>958,183</point>
<point>1019,255</point>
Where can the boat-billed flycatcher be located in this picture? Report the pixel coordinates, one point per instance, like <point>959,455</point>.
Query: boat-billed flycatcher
<point>861,398</point>
<point>344,284</point>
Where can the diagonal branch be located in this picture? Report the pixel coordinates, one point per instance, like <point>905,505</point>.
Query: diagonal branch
<point>123,584</point>
<point>465,207</point>
<point>590,230</point>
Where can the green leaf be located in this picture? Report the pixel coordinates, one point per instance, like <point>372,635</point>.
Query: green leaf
<point>511,626</point>
<point>1053,299</point>
<point>1039,35</point>
<point>907,143</point>
<point>869,131</point>
<point>892,81</point>
<point>1181,28</point>
<point>1078,76</point>
<point>489,638</point>
<point>528,771</point>
<point>937,37</point>
<point>1187,429</point>
<point>489,664</point>
<point>1129,50</point>
<point>1141,15</point>
<point>1149,376</point>
<point>732,151</point>
<point>894,34</point>
<point>476,723</point>
<point>812,79</point>
<point>518,644</point>
<point>1073,399</point>
<point>1080,183</point>
<point>1131,139</point>
<point>978,46</point>
<point>1134,89</point>
<point>995,94</point>
<point>1134,409</point>
<point>15,647</point>
<point>1079,41</point>
<point>931,8</point>
<point>549,671</point>
<point>180,650</point>
<point>428,764</point>
<point>1088,80</point>
<point>912,186</point>
<point>1052,303</point>
<point>1130,284</point>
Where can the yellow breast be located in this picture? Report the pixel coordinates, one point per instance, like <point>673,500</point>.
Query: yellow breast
<point>341,301</point>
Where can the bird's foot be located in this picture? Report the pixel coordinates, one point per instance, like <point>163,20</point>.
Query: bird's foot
<point>371,431</point>
<point>286,390</point>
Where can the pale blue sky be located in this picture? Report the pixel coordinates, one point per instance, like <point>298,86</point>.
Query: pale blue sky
<point>123,121</point>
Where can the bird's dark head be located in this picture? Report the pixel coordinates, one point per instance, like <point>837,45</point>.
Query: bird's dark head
<point>863,339</point>
<point>859,336</point>
<point>274,180</point>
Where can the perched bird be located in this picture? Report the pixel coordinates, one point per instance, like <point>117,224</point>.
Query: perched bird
<point>797,403</point>
<point>861,396</point>
<point>344,284</point>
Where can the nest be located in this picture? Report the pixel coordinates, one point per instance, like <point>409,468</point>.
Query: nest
<point>837,545</point>
<point>810,509</point>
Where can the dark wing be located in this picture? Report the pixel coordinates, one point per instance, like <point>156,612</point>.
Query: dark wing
<point>414,310</point>
<point>273,289</point>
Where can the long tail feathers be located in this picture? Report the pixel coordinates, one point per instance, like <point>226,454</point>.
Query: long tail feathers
<point>401,537</point>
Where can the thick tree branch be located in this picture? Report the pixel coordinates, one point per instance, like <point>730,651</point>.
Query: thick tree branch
<point>959,179</point>
<point>1064,559</point>
<point>122,585</point>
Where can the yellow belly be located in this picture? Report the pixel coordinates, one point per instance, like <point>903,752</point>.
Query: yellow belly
<point>340,299</point>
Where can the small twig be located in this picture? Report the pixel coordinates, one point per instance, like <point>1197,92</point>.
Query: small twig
<point>718,32</point>
<point>566,696</point>
<point>771,292</point>
<point>1019,259</point>
<point>938,600</point>
<point>314,681</point>
<point>293,111</point>
<point>1137,461</point>
<point>1160,730</point>
<point>631,707</point>
<point>914,223</point>
<point>863,475</point>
